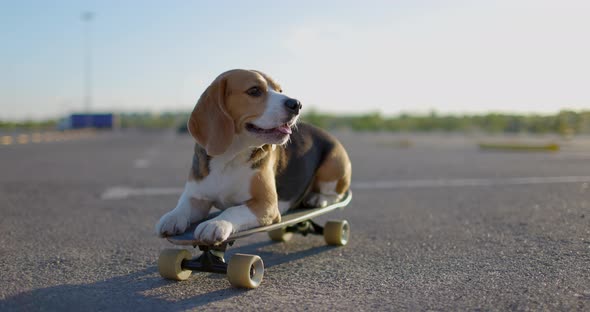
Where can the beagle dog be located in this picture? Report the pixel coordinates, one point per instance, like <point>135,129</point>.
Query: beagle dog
<point>252,160</point>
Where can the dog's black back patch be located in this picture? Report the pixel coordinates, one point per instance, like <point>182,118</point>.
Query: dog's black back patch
<point>299,159</point>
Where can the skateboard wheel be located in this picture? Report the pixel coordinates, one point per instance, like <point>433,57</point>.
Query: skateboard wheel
<point>336,233</point>
<point>245,271</point>
<point>280,235</point>
<point>170,264</point>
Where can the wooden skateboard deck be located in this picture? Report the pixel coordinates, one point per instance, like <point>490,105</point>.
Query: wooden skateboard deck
<point>292,217</point>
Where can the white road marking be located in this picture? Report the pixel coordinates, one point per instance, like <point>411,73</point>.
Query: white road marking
<point>402,184</point>
<point>145,162</point>
<point>141,163</point>
<point>121,192</point>
<point>152,152</point>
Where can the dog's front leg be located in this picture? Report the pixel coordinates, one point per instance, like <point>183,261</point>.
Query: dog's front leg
<point>231,220</point>
<point>189,209</point>
<point>262,209</point>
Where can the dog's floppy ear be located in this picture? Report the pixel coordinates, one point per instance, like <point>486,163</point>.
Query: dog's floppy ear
<point>209,123</point>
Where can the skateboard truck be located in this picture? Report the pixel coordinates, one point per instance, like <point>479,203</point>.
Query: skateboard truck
<point>212,258</point>
<point>306,227</point>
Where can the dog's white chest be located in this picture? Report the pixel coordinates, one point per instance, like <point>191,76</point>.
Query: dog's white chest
<point>226,185</point>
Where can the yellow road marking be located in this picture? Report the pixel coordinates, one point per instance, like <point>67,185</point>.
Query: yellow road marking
<point>550,147</point>
<point>23,139</point>
<point>50,136</point>
<point>6,140</point>
<point>36,137</point>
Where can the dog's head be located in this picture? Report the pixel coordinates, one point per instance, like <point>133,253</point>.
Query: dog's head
<point>245,102</point>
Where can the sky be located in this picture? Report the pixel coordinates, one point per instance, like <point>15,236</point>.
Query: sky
<point>405,56</point>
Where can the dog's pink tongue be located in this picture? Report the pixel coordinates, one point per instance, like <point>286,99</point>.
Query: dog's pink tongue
<point>284,129</point>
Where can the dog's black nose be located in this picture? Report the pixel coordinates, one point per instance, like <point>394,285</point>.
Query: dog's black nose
<point>293,105</point>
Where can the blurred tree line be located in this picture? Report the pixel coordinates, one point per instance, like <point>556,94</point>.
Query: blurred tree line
<point>152,121</point>
<point>125,120</point>
<point>565,122</point>
<point>28,125</point>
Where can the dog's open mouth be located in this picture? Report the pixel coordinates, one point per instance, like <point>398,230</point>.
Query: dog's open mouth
<point>282,129</point>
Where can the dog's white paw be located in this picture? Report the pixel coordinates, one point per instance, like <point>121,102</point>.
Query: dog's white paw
<point>213,231</point>
<point>321,200</point>
<point>172,223</point>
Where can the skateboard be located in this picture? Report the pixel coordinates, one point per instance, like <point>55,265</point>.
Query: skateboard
<point>246,271</point>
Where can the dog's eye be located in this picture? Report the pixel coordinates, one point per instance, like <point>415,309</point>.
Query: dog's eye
<point>254,91</point>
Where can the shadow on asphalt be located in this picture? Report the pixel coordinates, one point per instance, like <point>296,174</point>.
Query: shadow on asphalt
<point>274,258</point>
<point>126,292</point>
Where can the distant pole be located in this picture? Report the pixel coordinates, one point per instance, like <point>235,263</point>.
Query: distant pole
<point>87,19</point>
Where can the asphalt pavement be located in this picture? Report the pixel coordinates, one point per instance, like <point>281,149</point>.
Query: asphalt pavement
<point>436,224</point>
